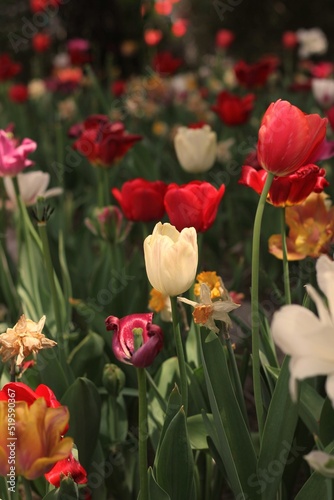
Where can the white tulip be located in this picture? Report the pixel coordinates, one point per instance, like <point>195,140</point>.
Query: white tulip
<point>171,258</point>
<point>32,185</point>
<point>323,91</point>
<point>306,337</point>
<point>196,149</point>
<point>322,462</point>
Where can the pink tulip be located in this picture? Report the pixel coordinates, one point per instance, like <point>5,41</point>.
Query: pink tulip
<point>13,157</point>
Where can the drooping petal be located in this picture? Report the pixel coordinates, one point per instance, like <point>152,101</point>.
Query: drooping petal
<point>325,274</point>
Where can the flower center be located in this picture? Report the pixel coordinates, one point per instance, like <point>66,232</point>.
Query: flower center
<point>202,313</point>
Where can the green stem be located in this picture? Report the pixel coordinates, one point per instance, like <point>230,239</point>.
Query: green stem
<point>208,476</point>
<point>27,489</point>
<point>102,187</point>
<point>255,302</point>
<point>156,391</point>
<point>98,91</point>
<point>235,373</point>
<point>180,354</point>
<point>52,284</point>
<point>4,488</point>
<point>286,277</point>
<point>143,433</point>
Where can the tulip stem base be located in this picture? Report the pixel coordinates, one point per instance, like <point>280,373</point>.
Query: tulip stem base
<point>142,434</point>
<point>180,354</point>
<point>255,317</point>
<point>286,276</point>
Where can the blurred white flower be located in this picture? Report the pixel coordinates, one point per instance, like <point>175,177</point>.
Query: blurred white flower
<point>224,153</point>
<point>307,338</point>
<point>36,88</point>
<point>32,185</point>
<point>311,42</point>
<point>196,148</point>
<point>322,462</point>
<point>323,91</point>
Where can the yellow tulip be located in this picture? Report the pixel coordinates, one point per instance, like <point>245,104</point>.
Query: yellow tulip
<point>35,444</point>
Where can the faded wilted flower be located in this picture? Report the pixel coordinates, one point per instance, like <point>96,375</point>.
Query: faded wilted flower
<point>24,338</point>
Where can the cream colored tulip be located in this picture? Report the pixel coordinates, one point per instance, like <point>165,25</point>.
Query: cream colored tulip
<point>196,149</point>
<point>171,258</point>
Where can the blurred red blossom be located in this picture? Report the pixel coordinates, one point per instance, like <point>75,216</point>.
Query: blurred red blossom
<point>8,68</point>
<point>18,93</point>
<point>257,74</point>
<point>232,109</point>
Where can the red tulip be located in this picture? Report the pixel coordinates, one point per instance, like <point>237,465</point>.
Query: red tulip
<point>233,110</point>
<point>8,68</point>
<point>123,343</point>
<point>166,64</point>
<point>41,42</point>
<point>288,138</point>
<point>64,468</point>
<point>141,200</point>
<point>255,75</point>
<point>118,88</point>
<point>18,93</point>
<point>103,142</point>
<point>224,38</point>
<point>289,40</point>
<point>152,37</point>
<point>193,205</point>
<point>289,190</point>
<point>179,27</point>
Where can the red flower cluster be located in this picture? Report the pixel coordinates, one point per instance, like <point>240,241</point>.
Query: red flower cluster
<point>191,205</point>
<point>233,110</point>
<point>255,75</point>
<point>101,141</point>
<point>8,68</point>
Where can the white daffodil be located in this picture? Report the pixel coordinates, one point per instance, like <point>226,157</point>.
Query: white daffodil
<point>306,337</point>
<point>32,185</point>
<point>207,311</point>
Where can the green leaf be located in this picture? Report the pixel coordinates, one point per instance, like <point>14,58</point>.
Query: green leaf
<point>88,350</point>
<point>175,466</point>
<point>326,423</point>
<point>234,441</point>
<point>198,432</point>
<point>155,492</point>
<point>84,404</point>
<point>310,407</point>
<point>278,432</point>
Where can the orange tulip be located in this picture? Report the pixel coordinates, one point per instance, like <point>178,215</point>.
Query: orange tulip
<point>311,229</point>
<point>33,444</point>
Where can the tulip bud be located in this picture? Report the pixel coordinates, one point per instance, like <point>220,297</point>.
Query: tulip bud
<point>196,148</point>
<point>171,258</point>
<point>113,379</point>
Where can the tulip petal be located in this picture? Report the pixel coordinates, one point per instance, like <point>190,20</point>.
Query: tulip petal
<point>146,354</point>
<point>325,272</point>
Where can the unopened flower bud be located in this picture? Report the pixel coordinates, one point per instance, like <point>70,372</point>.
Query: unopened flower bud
<point>113,379</point>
